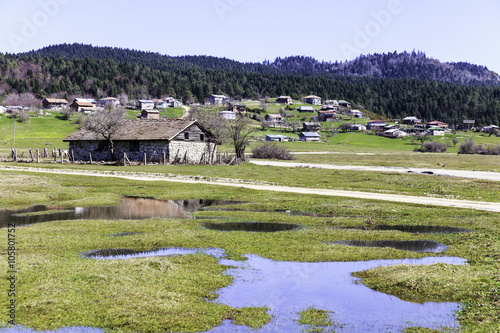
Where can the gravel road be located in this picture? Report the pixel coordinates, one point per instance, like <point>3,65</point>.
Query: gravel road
<point>485,175</point>
<point>429,201</point>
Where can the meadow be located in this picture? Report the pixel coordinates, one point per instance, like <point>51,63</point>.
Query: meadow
<point>57,287</point>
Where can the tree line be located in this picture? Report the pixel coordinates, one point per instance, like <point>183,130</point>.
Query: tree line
<point>70,70</point>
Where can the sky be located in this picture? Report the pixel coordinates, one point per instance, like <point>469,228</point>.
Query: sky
<point>258,30</point>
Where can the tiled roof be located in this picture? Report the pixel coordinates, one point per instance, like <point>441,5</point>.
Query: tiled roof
<point>142,130</point>
<point>56,100</point>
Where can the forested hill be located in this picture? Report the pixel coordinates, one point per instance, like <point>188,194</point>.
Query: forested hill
<point>153,60</point>
<point>414,65</point>
<point>81,70</point>
<point>395,65</point>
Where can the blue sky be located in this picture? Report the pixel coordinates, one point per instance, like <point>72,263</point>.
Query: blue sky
<point>255,30</point>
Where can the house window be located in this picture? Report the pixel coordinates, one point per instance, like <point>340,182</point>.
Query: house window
<point>186,136</point>
<point>202,137</point>
<point>134,146</point>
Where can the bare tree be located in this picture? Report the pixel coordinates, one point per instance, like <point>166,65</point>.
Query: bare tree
<point>209,118</point>
<point>123,98</point>
<point>239,133</point>
<point>107,124</point>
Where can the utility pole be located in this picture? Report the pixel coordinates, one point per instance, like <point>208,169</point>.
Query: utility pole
<point>14,141</point>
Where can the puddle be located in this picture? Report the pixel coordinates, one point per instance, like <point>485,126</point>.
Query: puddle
<point>287,288</point>
<point>251,226</point>
<point>112,254</point>
<point>124,234</point>
<point>423,229</point>
<point>131,209</point>
<point>20,329</point>
<point>413,246</point>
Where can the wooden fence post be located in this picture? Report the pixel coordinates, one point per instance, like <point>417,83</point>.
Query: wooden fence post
<point>90,154</point>
<point>45,153</point>
<point>37,156</point>
<point>145,160</point>
<point>31,156</point>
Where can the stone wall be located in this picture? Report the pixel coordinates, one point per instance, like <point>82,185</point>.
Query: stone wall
<point>193,152</point>
<point>175,151</point>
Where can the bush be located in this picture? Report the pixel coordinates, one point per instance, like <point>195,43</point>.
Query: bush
<point>434,147</point>
<point>467,147</point>
<point>272,150</point>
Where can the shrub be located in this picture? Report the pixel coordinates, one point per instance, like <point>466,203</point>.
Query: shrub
<point>467,147</point>
<point>434,147</point>
<point>272,150</point>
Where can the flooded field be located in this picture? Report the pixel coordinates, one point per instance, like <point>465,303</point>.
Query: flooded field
<point>131,208</point>
<point>287,288</point>
<point>416,229</point>
<point>413,246</point>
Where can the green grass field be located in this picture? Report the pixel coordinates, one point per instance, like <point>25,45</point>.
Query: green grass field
<point>57,288</point>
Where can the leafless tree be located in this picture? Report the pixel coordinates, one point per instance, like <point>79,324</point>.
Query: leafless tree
<point>209,118</point>
<point>107,124</point>
<point>239,133</point>
<point>123,98</point>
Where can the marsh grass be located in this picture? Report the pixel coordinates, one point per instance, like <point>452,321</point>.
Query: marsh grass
<point>316,320</point>
<point>58,288</point>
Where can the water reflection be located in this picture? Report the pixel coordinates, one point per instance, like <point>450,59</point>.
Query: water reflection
<point>131,209</point>
<point>112,254</point>
<point>251,226</point>
<point>287,288</point>
<point>290,287</point>
<point>423,229</point>
<point>413,246</point>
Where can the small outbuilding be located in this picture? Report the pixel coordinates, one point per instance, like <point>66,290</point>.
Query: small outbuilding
<point>309,136</point>
<point>436,131</point>
<point>150,114</point>
<point>278,138</point>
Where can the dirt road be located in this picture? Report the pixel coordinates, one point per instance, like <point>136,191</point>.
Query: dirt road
<point>429,201</point>
<point>494,176</point>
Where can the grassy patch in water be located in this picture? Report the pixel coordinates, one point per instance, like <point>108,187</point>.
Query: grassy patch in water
<point>317,320</point>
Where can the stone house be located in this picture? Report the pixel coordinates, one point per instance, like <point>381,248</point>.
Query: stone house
<point>180,141</point>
